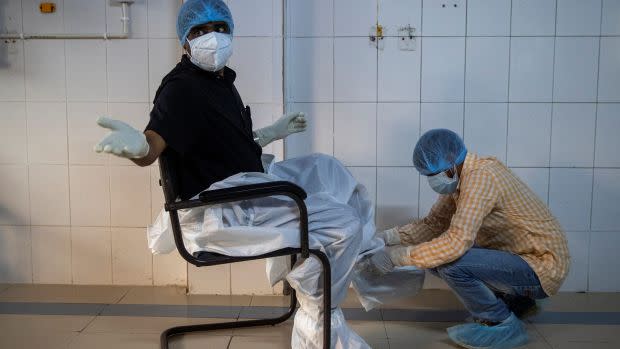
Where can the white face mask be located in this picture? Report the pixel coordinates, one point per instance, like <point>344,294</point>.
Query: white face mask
<point>211,51</point>
<point>443,184</point>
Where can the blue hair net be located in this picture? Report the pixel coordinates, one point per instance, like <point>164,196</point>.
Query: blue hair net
<point>437,151</point>
<point>198,12</point>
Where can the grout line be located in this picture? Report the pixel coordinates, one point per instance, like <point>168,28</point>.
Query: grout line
<point>552,105</point>
<point>509,75</point>
<point>465,41</point>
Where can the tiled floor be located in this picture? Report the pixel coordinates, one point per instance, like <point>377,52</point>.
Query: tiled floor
<point>133,317</point>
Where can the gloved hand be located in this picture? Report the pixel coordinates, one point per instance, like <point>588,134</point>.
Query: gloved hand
<point>284,126</point>
<point>391,237</point>
<point>390,257</point>
<point>124,140</point>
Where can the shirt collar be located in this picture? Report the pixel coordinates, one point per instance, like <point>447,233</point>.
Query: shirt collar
<point>468,164</point>
<point>229,75</point>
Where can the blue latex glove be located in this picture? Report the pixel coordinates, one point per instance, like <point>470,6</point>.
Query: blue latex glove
<point>510,333</point>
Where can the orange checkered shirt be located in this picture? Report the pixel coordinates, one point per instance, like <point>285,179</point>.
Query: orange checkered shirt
<point>494,209</point>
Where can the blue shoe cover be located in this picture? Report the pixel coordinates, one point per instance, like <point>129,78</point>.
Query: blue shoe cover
<point>510,333</point>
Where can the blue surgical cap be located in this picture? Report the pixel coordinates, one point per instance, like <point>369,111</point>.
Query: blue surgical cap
<point>198,12</point>
<point>437,151</point>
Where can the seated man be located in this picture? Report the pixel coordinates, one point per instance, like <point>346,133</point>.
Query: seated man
<point>488,237</point>
<point>199,119</point>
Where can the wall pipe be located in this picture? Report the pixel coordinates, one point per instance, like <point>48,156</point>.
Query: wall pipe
<point>105,36</point>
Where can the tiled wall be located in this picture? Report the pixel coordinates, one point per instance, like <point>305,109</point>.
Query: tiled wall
<point>69,215</point>
<point>535,83</point>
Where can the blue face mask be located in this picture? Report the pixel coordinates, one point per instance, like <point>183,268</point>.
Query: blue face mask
<point>443,184</point>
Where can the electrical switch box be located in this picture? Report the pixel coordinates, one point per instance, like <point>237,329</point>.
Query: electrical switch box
<point>47,7</point>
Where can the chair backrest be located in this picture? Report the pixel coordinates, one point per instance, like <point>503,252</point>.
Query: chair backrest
<point>168,178</point>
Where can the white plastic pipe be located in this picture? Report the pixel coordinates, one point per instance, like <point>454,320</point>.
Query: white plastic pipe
<point>104,36</point>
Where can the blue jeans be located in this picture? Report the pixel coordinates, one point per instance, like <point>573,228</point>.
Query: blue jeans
<point>480,274</point>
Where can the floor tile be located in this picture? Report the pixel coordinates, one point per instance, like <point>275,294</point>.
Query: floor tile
<point>429,299</point>
<point>43,323</point>
<point>178,296</point>
<point>63,294</point>
<point>199,341</point>
<point>37,340</point>
<point>259,343</point>
<point>582,345</point>
<point>270,301</point>
<point>4,287</point>
<point>557,334</point>
<point>351,301</point>
<point>147,325</point>
<point>369,330</point>
<point>428,335</point>
<point>116,341</point>
<point>282,330</point>
<point>579,302</point>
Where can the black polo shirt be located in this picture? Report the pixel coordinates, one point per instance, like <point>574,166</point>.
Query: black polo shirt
<point>208,131</point>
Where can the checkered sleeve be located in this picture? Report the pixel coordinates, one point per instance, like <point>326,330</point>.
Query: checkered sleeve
<point>431,226</point>
<point>478,196</point>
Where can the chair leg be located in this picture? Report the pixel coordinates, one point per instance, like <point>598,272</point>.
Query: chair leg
<point>165,336</point>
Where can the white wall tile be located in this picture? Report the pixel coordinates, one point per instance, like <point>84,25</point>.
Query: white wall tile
<point>15,195</point>
<point>486,127</point>
<point>11,17</point>
<point>310,18</point>
<point>12,71</point>
<point>444,18</point>
<point>572,134</point>
<point>531,69</point>
<point>13,145</point>
<point>49,195</point>
<point>611,12</point>
<point>442,115</point>
<point>138,22</point>
<point>355,136</point>
<point>533,17</point>
<point>51,255</point>
<point>209,280</point>
<point>252,61</point>
<point>84,133</point>
<point>37,22</point>
<point>311,74</point>
<point>395,14</point>
<point>367,176</point>
<point>162,19</point>
<point>398,129</point>
<point>403,84</point>
<point>355,75</point>
<point>164,54</point>
<point>529,126</point>
<point>169,269</point>
<point>576,69</point>
<point>318,137</point>
<point>427,197</point>
<point>605,209</point>
<point>578,17</point>
<point>277,70</point>
<point>486,55</point>
<point>130,195</point>
<point>536,179</point>
<point>397,196</point>
<point>45,70</point>
<point>603,261</point>
<point>607,140</point>
<point>15,255</point>
<point>91,255</point>
<point>354,17</point>
<point>90,195</point>
<point>132,262</point>
<point>609,75</point>
<point>443,69</point>
<point>578,247</point>
<point>127,74</point>
<point>249,278</point>
<point>252,17</point>
<point>488,17</point>
<point>86,70</point>
<point>84,17</point>
<point>571,207</point>
<point>47,132</point>
<point>135,114</point>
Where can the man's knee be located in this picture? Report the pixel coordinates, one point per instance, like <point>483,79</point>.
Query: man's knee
<point>451,271</point>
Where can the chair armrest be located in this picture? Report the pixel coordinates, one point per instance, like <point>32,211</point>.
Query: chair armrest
<point>252,191</point>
